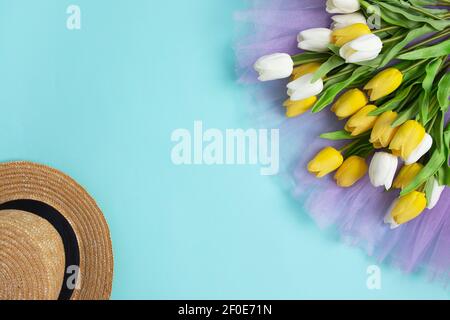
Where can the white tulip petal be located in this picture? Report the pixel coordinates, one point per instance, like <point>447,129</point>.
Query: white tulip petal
<point>313,45</point>
<point>364,48</point>
<point>302,88</point>
<point>345,20</point>
<point>342,6</point>
<point>421,150</point>
<point>316,39</point>
<point>368,42</point>
<point>347,5</point>
<point>361,56</point>
<point>391,173</point>
<point>382,169</point>
<point>435,195</point>
<point>376,171</point>
<point>275,66</point>
<point>315,34</point>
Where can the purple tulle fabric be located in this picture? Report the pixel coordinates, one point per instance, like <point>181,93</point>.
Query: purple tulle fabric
<point>357,212</point>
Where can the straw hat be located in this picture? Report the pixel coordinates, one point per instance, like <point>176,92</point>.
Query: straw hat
<point>54,240</point>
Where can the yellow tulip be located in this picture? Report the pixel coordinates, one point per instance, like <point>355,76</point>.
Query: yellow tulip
<point>351,171</point>
<point>305,69</point>
<point>296,108</point>
<point>407,175</point>
<point>361,122</point>
<point>384,83</point>
<point>349,103</point>
<point>341,36</point>
<point>383,132</point>
<point>326,161</point>
<point>408,207</point>
<point>407,139</point>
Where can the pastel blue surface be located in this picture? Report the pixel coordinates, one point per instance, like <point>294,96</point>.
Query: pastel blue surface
<point>101,103</point>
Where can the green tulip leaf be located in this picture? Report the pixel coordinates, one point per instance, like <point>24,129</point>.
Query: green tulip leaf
<point>413,34</point>
<point>430,169</point>
<point>328,66</point>
<point>395,102</point>
<point>417,17</point>
<point>338,135</point>
<point>438,50</point>
<point>308,57</point>
<point>329,94</point>
<point>443,92</point>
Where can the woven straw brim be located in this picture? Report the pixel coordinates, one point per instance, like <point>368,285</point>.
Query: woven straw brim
<point>31,257</point>
<point>25,180</point>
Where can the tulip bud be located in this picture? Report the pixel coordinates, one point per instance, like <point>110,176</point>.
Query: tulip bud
<point>406,209</point>
<point>361,122</point>
<point>342,6</point>
<point>384,83</point>
<point>382,169</point>
<point>345,20</point>
<point>326,161</point>
<point>342,36</point>
<point>296,108</point>
<point>383,132</point>
<point>407,139</point>
<point>305,69</point>
<point>317,39</point>
<point>351,171</point>
<point>364,48</point>
<point>275,66</point>
<point>407,175</point>
<point>349,103</point>
<point>435,194</point>
<point>421,150</point>
<point>303,88</point>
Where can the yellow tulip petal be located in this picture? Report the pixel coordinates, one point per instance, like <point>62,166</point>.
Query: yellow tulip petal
<point>296,108</point>
<point>305,69</point>
<point>383,132</point>
<point>384,83</point>
<point>349,103</point>
<point>352,170</point>
<point>409,207</point>
<point>342,36</point>
<point>407,139</point>
<point>406,175</point>
<point>361,122</point>
<point>325,162</point>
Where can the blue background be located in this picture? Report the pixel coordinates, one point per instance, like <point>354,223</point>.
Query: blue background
<point>101,103</point>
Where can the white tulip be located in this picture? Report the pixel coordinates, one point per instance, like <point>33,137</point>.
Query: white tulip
<point>421,150</point>
<point>435,194</point>
<point>382,169</point>
<point>304,88</point>
<point>364,48</point>
<point>342,6</point>
<point>275,66</point>
<point>345,20</point>
<point>316,39</point>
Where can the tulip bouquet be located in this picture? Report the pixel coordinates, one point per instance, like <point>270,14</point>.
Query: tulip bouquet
<point>381,70</point>
<point>393,96</point>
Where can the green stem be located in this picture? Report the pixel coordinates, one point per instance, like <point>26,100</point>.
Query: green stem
<point>437,36</point>
<point>298,63</point>
<point>413,66</point>
<point>385,29</point>
<point>348,146</point>
<point>393,39</point>
<point>426,13</point>
<point>337,75</point>
<point>443,3</point>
